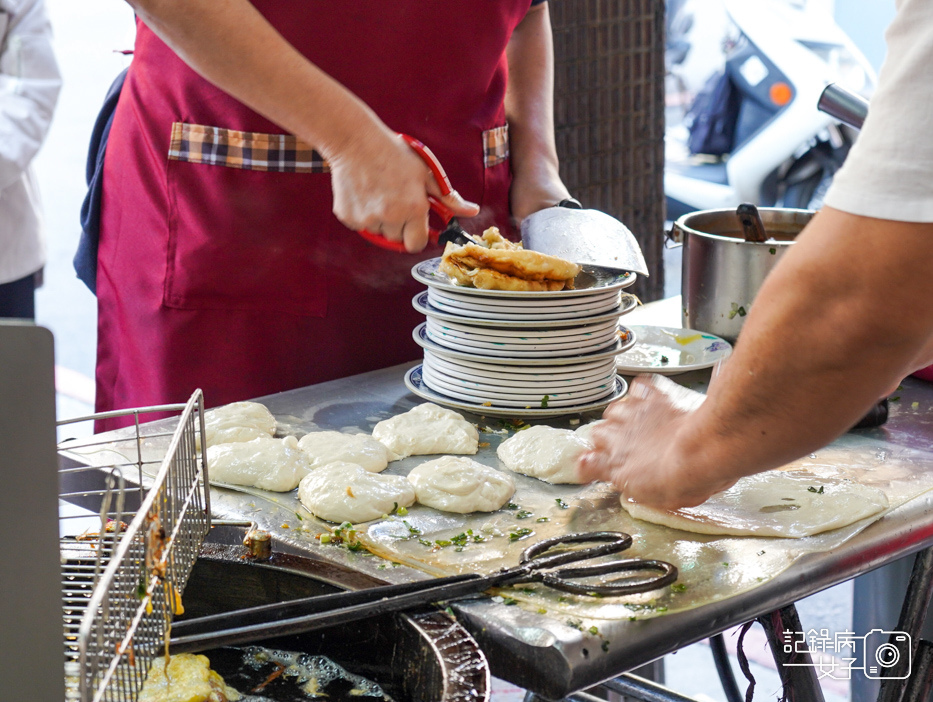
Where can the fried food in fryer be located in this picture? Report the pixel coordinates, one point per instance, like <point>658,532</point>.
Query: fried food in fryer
<point>185,677</point>
<point>498,264</point>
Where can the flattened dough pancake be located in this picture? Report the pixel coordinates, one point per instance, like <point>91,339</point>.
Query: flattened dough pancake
<point>486,279</point>
<point>461,485</point>
<point>238,421</point>
<point>269,464</point>
<point>520,263</point>
<point>325,447</point>
<point>545,453</point>
<point>346,492</point>
<point>427,429</point>
<point>775,503</point>
<point>495,263</point>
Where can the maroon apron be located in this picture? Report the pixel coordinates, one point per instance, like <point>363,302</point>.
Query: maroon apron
<point>230,273</point>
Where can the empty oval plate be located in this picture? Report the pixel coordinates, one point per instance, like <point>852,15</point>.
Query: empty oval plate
<point>669,351</point>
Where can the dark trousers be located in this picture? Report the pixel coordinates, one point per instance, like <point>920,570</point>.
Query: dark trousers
<point>18,299</point>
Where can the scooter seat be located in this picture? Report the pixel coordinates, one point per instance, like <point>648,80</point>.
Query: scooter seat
<point>712,172</point>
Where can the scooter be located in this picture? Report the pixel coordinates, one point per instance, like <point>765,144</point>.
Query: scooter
<point>752,134</point>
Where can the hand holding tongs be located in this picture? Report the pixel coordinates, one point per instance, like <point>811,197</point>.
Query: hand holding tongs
<point>452,229</point>
<point>536,565</point>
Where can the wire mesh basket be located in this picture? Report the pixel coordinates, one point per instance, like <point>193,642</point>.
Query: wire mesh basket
<point>123,576</point>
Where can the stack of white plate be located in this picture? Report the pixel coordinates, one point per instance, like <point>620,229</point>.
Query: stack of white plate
<point>506,353</point>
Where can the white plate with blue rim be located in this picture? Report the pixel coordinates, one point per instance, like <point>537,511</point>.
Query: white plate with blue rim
<point>508,399</point>
<point>523,311</point>
<point>421,303</point>
<point>468,331</point>
<point>591,279</point>
<point>559,344</point>
<point>669,351</point>
<point>498,350</point>
<point>523,305</point>
<point>577,372</point>
<point>414,381</point>
<point>481,385</point>
<point>422,338</point>
<point>507,317</point>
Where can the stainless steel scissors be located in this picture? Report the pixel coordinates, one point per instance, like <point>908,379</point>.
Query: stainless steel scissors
<point>539,563</point>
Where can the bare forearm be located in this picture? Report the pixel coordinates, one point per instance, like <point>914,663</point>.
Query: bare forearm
<point>844,315</point>
<point>529,105</point>
<point>231,44</point>
<point>842,318</point>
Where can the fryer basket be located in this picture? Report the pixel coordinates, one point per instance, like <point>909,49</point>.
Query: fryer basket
<point>123,577</point>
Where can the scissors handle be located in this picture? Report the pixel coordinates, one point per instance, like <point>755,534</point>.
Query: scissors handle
<point>443,211</point>
<point>535,556</point>
<point>564,579</point>
<point>536,564</point>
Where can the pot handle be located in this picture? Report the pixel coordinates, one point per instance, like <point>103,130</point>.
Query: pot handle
<point>673,238</point>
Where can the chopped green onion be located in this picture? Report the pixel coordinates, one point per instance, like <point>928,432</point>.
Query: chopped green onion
<point>520,533</point>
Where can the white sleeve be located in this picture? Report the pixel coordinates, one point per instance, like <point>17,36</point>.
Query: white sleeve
<point>29,84</point>
<point>889,171</point>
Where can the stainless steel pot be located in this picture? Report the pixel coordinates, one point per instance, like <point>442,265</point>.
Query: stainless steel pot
<point>722,272</point>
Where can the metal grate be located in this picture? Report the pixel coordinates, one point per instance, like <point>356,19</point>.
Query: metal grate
<point>609,116</point>
<point>122,577</point>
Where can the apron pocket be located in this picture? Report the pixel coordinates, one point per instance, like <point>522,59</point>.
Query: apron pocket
<point>497,178</point>
<point>248,226</point>
<point>496,146</point>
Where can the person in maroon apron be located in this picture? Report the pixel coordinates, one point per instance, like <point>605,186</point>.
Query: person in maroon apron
<point>229,258</point>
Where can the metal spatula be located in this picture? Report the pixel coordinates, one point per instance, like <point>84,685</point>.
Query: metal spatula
<point>587,237</point>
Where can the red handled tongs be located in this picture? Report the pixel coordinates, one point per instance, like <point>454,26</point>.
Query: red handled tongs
<point>452,230</point>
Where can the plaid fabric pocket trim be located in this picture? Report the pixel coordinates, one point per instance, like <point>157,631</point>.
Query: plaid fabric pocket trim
<point>284,153</point>
<point>253,151</point>
<point>496,146</point>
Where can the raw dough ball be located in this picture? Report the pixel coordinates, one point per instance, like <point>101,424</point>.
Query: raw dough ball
<point>545,453</point>
<point>427,429</point>
<point>239,421</point>
<point>790,503</point>
<point>270,464</point>
<point>461,485</point>
<point>346,492</point>
<point>586,431</point>
<point>325,447</point>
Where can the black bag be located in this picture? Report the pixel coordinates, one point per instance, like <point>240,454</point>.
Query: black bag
<point>85,260</point>
<point>712,117</point>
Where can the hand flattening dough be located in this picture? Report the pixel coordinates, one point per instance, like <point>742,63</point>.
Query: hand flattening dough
<point>775,503</point>
<point>427,429</point>
<point>346,492</point>
<point>545,453</point>
<point>238,421</point>
<point>458,484</point>
<point>269,464</point>
<point>325,447</point>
